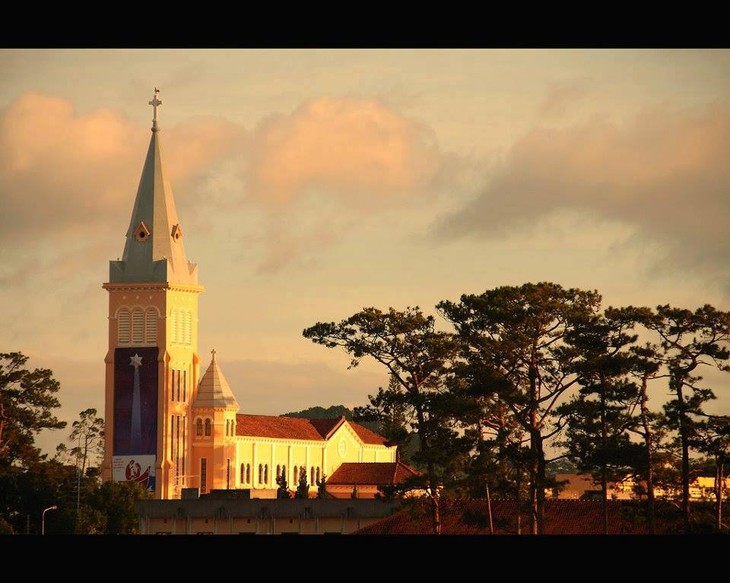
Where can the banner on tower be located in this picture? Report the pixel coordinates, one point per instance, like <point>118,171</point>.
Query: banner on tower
<point>135,414</point>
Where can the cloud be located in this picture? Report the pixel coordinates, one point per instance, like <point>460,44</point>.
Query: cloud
<point>72,177</point>
<point>664,172</point>
<point>278,387</point>
<point>356,150</point>
<point>58,170</point>
<point>561,97</point>
<point>62,173</point>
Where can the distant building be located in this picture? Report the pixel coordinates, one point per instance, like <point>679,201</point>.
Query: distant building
<point>174,426</point>
<point>583,486</point>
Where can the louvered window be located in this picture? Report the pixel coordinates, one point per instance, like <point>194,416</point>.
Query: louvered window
<point>137,326</point>
<point>173,326</point>
<point>124,320</point>
<point>150,324</point>
<point>187,328</point>
<point>179,326</point>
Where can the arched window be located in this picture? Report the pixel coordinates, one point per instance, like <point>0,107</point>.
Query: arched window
<point>311,475</point>
<point>266,473</point>
<point>199,427</point>
<point>295,476</point>
<point>207,428</point>
<point>248,473</point>
<point>243,473</point>
<point>283,471</point>
<point>261,473</point>
<point>278,472</point>
<point>317,474</point>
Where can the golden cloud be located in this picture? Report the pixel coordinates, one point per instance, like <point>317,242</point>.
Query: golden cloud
<point>663,171</point>
<point>63,172</point>
<point>354,149</point>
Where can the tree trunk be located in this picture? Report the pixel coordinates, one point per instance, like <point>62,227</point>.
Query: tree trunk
<point>433,486</point>
<point>604,467</point>
<point>537,461</point>
<point>648,441</point>
<point>435,510</point>
<point>719,483</point>
<point>684,442</point>
<point>519,500</point>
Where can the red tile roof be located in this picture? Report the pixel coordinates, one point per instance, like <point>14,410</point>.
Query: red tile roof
<point>297,428</point>
<point>277,427</point>
<point>371,473</point>
<point>326,427</point>
<point>561,517</point>
<point>367,436</point>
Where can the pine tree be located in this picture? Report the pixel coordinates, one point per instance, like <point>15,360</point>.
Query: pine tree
<point>303,486</point>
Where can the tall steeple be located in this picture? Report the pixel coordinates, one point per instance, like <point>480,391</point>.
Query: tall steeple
<point>154,250</point>
<point>152,365</point>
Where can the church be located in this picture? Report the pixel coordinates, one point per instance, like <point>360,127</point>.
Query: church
<point>172,421</point>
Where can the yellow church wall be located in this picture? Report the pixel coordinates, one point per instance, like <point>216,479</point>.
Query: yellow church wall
<point>345,446</point>
<point>181,374</point>
<point>271,453</point>
<point>218,449</point>
<point>319,458</point>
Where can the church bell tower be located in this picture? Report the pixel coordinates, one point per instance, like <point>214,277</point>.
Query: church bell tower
<point>152,363</point>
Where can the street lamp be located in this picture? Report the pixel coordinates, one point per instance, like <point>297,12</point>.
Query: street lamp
<point>43,518</point>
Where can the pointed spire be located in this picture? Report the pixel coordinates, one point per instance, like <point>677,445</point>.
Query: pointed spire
<point>154,250</point>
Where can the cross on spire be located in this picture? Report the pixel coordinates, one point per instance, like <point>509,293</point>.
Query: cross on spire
<point>213,353</point>
<point>155,103</point>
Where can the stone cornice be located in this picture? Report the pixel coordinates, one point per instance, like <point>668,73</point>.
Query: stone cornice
<point>129,286</point>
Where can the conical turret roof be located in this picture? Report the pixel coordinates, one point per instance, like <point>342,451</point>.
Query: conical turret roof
<point>213,389</point>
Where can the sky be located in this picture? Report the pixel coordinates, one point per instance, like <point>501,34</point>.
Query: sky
<point>311,183</point>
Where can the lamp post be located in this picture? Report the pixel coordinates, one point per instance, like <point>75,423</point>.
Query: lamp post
<point>43,518</point>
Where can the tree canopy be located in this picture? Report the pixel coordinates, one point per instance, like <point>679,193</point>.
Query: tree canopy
<point>27,400</point>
